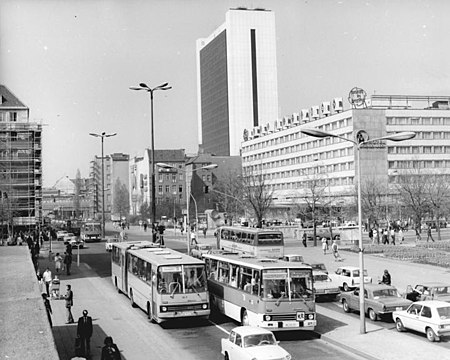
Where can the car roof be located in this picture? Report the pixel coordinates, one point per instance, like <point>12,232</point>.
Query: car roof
<point>250,330</point>
<point>433,284</point>
<point>319,272</point>
<point>349,267</point>
<point>372,287</point>
<point>293,255</point>
<point>433,303</point>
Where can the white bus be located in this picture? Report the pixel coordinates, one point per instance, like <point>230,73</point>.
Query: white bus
<point>268,293</point>
<point>91,231</point>
<point>163,282</point>
<point>252,241</point>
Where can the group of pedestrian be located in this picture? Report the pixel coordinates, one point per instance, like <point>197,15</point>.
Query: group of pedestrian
<point>387,235</point>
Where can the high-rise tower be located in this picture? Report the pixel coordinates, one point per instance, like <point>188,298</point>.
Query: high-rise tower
<point>236,79</point>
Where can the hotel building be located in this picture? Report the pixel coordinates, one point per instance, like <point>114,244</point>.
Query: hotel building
<point>236,79</point>
<point>290,159</point>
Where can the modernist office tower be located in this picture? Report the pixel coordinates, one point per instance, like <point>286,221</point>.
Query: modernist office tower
<point>236,79</point>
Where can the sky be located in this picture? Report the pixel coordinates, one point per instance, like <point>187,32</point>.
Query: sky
<point>72,63</point>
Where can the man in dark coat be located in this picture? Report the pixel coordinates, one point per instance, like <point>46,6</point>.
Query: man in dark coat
<point>84,332</point>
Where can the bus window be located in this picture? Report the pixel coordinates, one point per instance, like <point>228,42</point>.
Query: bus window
<point>274,284</point>
<point>234,276</point>
<point>223,272</point>
<point>170,279</point>
<point>195,278</point>
<point>300,284</point>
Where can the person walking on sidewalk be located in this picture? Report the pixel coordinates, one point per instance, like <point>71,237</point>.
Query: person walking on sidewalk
<point>110,351</point>
<point>84,332</point>
<point>67,262</point>
<point>58,263</point>
<point>324,245</point>
<point>69,303</point>
<point>392,236</point>
<point>304,239</point>
<point>429,236</point>
<point>401,236</point>
<point>47,277</point>
<point>371,236</point>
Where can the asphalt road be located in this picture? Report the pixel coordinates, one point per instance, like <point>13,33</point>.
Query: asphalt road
<point>201,338</point>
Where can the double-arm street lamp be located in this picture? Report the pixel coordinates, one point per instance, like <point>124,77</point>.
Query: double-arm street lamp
<point>143,86</point>
<point>358,144</point>
<point>103,135</point>
<point>188,193</point>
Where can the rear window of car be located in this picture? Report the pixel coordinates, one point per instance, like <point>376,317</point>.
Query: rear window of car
<point>444,312</point>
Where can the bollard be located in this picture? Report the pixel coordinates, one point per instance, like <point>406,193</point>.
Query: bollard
<point>50,255</point>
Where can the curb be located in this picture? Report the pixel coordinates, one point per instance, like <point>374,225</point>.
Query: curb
<point>350,349</point>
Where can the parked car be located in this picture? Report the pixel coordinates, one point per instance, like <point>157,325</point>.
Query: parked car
<point>293,258</point>
<point>109,241</point>
<point>347,277</point>
<point>429,291</point>
<point>324,287</point>
<point>380,300</point>
<point>428,317</point>
<point>319,267</point>
<point>248,343</point>
<point>60,234</point>
<point>199,249</point>
<point>323,233</point>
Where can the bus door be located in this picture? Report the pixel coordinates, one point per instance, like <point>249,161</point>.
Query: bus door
<point>152,313</point>
<point>123,261</point>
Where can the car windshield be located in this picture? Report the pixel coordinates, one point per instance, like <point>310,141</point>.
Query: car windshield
<point>318,267</point>
<point>287,284</point>
<point>385,293</point>
<point>321,277</point>
<point>444,312</point>
<point>296,258</point>
<point>356,273</point>
<point>205,247</point>
<point>259,340</point>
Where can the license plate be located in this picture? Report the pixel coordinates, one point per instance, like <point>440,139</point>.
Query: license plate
<point>185,313</point>
<point>290,324</point>
<point>309,323</point>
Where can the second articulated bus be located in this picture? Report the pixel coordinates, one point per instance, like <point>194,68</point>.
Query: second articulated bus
<point>252,241</point>
<point>268,293</point>
<point>165,283</point>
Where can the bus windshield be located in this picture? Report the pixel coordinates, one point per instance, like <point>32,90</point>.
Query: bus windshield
<point>287,283</point>
<point>181,279</point>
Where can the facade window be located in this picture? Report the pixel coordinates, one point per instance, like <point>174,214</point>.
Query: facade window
<point>160,177</point>
<point>427,149</point>
<point>174,177</point>
<point>415,121</point>
<point>180,176</point>
<point>13,116</point>
<point>180,188</point>
<point>427,121</point>
<point>167,188</point>
<point>160,189</point>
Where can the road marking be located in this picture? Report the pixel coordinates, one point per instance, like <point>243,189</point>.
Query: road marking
<point>87,265</point>
<point>220,327</point>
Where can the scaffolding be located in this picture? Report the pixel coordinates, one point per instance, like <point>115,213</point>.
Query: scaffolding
<point>21,173</point>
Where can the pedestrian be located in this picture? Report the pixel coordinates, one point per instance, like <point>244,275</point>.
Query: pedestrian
<point>401,236</point>
<point>335,250</point>
<point>40,281</point>
<point>110,351</point>
<point>385,237</point>
<point>371,235</point>
<point>304,239</point>
<point>429,236</point>
<point>48,308</point>
<point>69,303</point>
<point>69,248</point>
<point>392,236</point>
<point>84,332</point>
<point>386,278</point>
<point>193,238</point>
<point>58,263</point>
<point>67,262</point>
<point>324,245</point>
<point>145,226</point>
<point>204,231</point>
<point>375,236</point>
<point>161,229</point>
<point>55,287</point>
<point>47,277</point>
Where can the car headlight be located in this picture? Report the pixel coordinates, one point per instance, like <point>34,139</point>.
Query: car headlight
<point>267,317</point>
<point>163,308</point>
<point>311,316</point>
<point>288,357</point>
<point>204,306</point>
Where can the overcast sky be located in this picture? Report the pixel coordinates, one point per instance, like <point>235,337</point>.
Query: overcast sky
<point>72,62</point>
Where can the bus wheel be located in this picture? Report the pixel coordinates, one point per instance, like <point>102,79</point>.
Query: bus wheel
<point>149,312</point>
<point>117,288</point>
<point>131,299</point>
<point>244,319</point>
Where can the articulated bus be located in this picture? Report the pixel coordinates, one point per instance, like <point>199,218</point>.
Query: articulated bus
<point>91,231</point>
<point>268,293</point>
<point>253,241</point>
<point>163,282</point>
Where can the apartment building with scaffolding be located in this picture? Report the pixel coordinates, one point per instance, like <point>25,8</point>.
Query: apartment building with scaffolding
<point>20,164</point>
<point>290,160</point>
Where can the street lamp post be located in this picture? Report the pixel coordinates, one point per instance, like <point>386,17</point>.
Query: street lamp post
<point>393,137</point>
<point>188,194</point>
<point>143,86</point>
<point>103,135</point>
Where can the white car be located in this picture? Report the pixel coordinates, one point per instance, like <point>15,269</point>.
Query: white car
<point>60,234</point>
<point>431,317</point>
<point>248,343</point>
<point>68,237</point>
<point>73,240</point>
<point>198,250</point>
<point>324,287</point>
<point>347,277</point>
<point>293,258</point>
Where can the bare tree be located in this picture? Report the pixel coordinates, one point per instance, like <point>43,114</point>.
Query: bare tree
<point>373,198</point>
<point>121,200</point>
<point>413,191</point>
<point>228,194</point>
<point>256,193</point>
<point>437,190</point>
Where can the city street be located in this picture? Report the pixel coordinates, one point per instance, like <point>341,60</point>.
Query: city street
<point>136,336</point>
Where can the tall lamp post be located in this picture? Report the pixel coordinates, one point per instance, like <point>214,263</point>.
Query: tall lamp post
<point>358,144</point>
<point>143,86</point>
<point>188,194</point>
<point>103,135</point>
